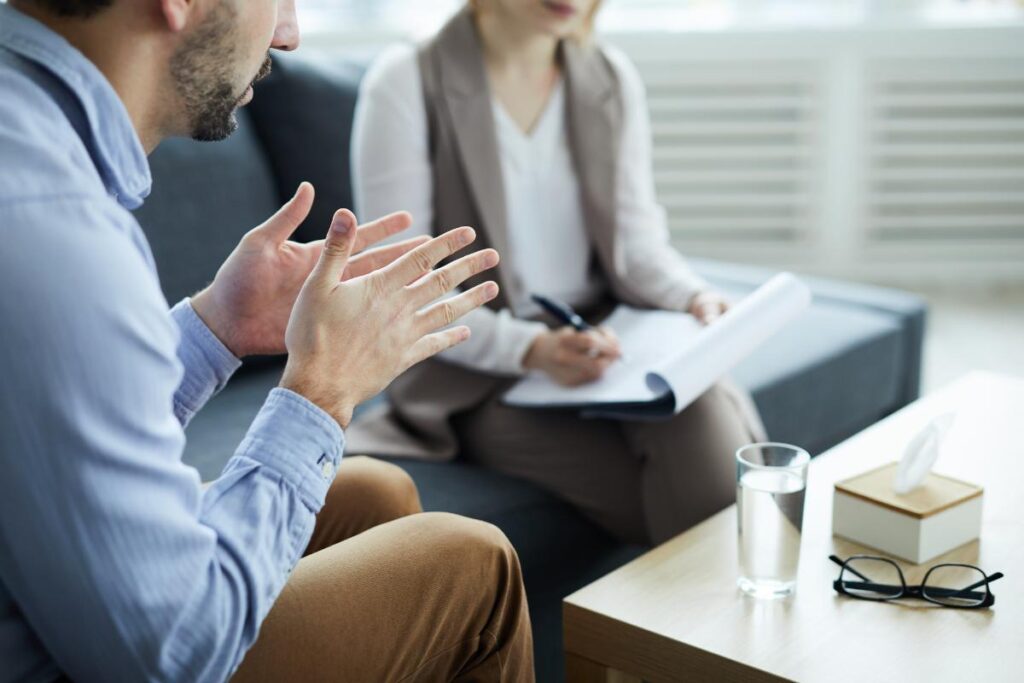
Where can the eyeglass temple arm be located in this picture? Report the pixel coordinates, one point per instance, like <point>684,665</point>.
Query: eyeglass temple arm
<point>994,577</point>
<point>849,569</point>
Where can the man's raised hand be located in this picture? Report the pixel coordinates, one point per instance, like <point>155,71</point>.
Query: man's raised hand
<point>348,338</point>
<point>248,305</point>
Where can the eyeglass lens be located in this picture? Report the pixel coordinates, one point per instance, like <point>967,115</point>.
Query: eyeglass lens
<point>956,585</point>
<point>872,578</point>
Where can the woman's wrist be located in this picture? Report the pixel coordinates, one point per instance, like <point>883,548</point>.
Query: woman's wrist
<point>532,358</point>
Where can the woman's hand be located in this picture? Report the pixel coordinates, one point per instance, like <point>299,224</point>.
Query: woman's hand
<point>707,306</point>
<point>573,358</point>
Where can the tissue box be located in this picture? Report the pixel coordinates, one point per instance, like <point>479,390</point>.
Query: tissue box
<point>937,516</point>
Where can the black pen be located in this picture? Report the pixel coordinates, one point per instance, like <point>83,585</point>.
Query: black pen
<point>564,314</point>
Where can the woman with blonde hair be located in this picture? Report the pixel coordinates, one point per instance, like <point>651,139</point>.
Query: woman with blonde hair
<point>512,119</point>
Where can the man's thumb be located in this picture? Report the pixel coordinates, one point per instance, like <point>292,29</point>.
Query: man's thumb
<point>337,248</point>
<point>282,224</point>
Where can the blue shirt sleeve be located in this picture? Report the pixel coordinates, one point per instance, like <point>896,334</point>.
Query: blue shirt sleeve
<point>124,568</point>
<point>207,362</point>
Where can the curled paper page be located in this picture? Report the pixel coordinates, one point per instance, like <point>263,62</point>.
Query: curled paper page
<point>921,453</point>
<point>722,345</point>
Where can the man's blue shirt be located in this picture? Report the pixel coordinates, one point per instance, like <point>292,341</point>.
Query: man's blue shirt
<point>114,563</point>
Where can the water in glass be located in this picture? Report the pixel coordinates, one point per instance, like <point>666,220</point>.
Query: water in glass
<point>770,505</point>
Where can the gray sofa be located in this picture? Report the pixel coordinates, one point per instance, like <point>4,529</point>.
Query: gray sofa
<point>852,359</point>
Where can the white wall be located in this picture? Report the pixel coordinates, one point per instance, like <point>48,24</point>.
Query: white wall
<point>891,155</point>
<point>883,150</point>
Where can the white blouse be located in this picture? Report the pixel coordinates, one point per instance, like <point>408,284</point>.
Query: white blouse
<point>542,199</point>
<point>551,251</point>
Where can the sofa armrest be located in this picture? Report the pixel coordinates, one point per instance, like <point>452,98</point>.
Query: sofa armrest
<point>907,308</point>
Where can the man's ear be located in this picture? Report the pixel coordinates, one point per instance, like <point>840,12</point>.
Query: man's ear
<point>176,13</point>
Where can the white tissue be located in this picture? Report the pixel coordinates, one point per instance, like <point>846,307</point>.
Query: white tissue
<point>921,453</point>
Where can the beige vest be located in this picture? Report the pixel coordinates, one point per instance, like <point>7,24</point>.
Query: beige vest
<point>469,190</point>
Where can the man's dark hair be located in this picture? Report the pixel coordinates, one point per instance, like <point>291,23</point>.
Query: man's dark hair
<point>73,8</point>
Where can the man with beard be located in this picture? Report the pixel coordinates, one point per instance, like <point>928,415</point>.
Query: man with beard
<point>115,564</point>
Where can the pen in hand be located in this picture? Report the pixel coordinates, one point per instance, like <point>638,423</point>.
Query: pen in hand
<point>564,314</point>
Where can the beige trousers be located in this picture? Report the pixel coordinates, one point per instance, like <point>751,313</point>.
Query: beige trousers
<point>644,482</point>
<point>386,592</point>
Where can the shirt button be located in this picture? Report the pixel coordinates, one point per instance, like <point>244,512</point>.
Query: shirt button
<point>327,469</point>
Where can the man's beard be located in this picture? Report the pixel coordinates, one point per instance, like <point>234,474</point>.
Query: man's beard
<point>201,71</point>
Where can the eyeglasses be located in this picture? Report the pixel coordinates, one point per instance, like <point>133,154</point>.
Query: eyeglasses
<point>950,585</point>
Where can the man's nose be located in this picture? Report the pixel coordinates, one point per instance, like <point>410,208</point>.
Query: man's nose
<point>286,34</point>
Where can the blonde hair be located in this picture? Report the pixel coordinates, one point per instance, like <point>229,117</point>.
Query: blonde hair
<point>584,35</point>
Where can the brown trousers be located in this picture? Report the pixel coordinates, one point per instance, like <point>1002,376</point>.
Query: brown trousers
<point>644,482</point>
<point>386,592</point>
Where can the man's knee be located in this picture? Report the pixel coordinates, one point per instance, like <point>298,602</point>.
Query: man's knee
<point>470,543</point>
<point>385,486</point>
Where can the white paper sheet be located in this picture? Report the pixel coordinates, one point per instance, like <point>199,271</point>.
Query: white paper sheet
<point>670,358</point>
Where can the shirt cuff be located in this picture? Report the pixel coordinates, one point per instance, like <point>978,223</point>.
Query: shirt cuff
<point>299,441</point>
<point>208,363</point>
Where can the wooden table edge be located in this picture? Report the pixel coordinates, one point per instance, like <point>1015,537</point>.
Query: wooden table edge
<point>643,654</point>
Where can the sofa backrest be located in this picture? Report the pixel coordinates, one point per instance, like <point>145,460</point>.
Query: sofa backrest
<point>207,195</point>
<point>303,115</point>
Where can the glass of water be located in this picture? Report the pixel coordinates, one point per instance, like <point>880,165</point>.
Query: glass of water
<point>771,480</point>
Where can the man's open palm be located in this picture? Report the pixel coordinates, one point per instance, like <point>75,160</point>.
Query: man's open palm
<point>250,300</point>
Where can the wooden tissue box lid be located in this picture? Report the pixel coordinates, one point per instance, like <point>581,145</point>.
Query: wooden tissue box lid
<point>937,493</point>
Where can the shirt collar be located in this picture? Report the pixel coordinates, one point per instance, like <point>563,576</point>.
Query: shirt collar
<point>114,145</point>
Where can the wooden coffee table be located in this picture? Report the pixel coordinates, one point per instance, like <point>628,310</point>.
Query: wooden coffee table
<point>676,613</point>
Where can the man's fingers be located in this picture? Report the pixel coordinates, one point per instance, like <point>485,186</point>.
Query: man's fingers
<point>422,259</point>
<point>382,228</point>
<point>446,312</point>
<point>282,224</point>
<point>443,280</point>
<point>433,344</point>
<point>375,259</point>
<point>337,249</point>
